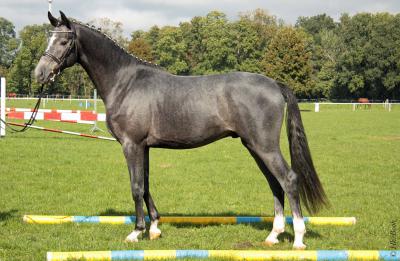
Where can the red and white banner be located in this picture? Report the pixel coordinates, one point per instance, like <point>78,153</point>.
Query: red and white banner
<point>73,116</point>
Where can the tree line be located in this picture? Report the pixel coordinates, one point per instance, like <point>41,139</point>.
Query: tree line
<point>357,56</point>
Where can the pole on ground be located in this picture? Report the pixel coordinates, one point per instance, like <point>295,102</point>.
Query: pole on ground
<point>317,107</point>
<point>3,106</point>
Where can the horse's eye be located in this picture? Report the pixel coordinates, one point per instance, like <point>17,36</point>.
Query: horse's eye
<point>64,42</point>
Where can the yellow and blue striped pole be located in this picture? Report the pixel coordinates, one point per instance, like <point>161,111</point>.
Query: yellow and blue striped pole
<point>312,255</point>
<point>41,219</point>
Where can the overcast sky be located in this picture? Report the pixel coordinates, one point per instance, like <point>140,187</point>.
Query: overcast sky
<point>142,14</point>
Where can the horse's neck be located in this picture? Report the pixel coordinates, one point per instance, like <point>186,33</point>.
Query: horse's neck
<point>103,61</point>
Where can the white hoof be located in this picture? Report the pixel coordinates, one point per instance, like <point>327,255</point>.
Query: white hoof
<point>155,232</point>
<point>134,236</point>
<point>271,241</point>
<point>299,246</point>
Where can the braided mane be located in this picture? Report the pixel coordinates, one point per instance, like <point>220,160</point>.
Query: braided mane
<point>98,30</point>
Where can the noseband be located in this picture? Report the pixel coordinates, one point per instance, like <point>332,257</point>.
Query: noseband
<point>61,61</point>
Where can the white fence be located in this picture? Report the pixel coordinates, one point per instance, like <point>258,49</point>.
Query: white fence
<point>87,103</point>
<point>318,106</point>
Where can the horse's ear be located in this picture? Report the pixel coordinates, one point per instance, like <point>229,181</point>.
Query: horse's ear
<point>52,19</point>
<point>64,20</point>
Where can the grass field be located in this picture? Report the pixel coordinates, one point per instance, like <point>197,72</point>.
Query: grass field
<point>355,153</point>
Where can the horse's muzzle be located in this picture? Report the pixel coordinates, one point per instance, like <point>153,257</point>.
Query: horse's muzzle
<point>43,73</point>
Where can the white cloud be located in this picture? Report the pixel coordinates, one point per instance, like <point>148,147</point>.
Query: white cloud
<point>194,3</point>
<point>134,19</point>
<point>142,14</point>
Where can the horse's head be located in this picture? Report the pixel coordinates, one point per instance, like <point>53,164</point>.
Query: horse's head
<point>61,51</point>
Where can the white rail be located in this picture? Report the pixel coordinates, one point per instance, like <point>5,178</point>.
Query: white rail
<point>386,105</point>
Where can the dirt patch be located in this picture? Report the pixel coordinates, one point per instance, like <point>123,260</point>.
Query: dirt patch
<point>243,245</point>
<point>165,165</point>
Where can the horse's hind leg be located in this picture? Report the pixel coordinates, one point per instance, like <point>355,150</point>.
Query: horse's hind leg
<point>155,232</point>
<point>289,181</point>
<point>279,202</point>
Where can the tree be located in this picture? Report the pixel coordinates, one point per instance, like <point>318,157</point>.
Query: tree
<point>325,44</point>
<point>288,60</point>
<point>316,24</point>
<point>325,58</point>
<point>139,47</point>
<point>111,28</point>
<point>369,65</point>
<point>171,50</point>
<point>211,45</point>
<point>73,81</point>
<point>265,25</point>
<point>33,39</point>
<point>8,45</point>
<point>247,46</point>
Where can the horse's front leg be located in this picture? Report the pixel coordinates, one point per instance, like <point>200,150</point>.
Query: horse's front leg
<point>135,157</point>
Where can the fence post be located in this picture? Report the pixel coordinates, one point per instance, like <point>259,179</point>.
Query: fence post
<point>317,107</point>
<point>2,106</point>
<point>95,128</point>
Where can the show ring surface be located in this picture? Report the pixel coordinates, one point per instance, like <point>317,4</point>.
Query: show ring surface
<point>117,220</point>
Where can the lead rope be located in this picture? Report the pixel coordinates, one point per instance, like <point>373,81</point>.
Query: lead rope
<point>33,115</point>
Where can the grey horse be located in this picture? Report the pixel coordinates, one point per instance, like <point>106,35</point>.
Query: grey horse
<point>147,107</point>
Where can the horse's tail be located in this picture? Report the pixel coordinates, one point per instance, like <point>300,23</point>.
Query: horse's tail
<point>311,191</point>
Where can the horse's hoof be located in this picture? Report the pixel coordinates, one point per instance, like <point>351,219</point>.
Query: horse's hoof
<point>155,235</point>
<point>299,246</point>
<point>134,236</point>
<point>131,240</point>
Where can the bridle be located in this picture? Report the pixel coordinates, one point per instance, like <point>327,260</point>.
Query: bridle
<point>61,60</point>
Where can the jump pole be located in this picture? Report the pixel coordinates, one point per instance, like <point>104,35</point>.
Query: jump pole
<point>64,132</point>
<point>314,255</point>
<point>2,106</point>
<point>119,220</point>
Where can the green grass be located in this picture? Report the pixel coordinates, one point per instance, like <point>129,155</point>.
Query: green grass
<point>356,155</point>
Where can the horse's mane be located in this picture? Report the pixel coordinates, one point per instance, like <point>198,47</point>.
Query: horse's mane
<point>115,43</point>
